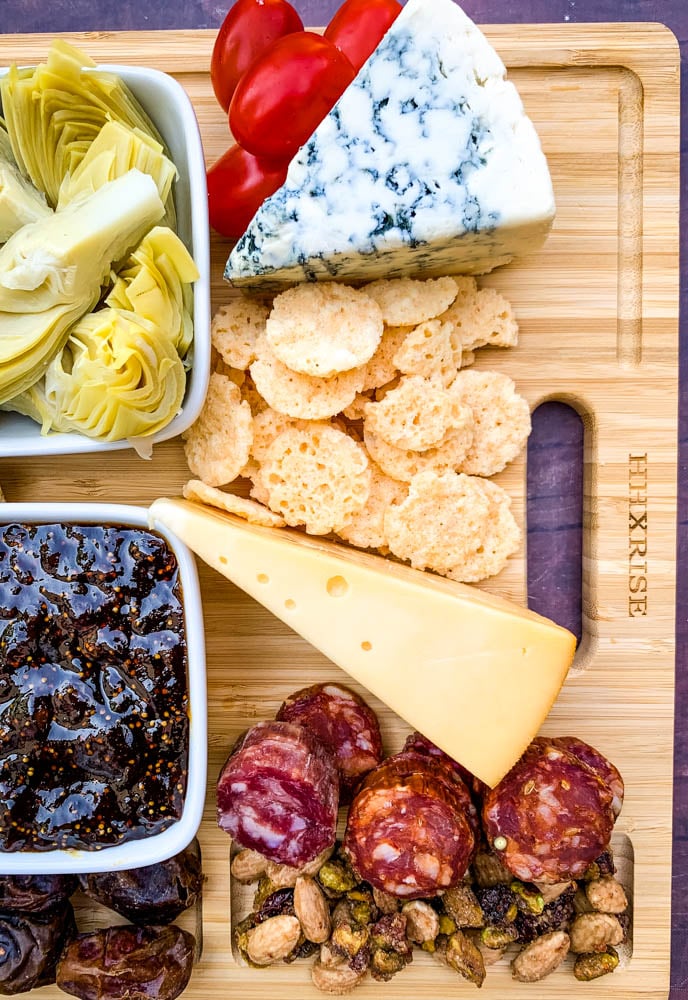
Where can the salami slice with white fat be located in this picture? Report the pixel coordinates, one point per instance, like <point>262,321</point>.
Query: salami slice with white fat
<point>418,743</point>
<point>600,765</point>
<point>343,721</point>
<point>278,793</point>
<point>408,831</point>
<point>550,816</point>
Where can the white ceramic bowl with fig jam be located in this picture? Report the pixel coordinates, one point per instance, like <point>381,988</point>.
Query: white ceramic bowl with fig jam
<point>168,106</point>
<point>103,658</point>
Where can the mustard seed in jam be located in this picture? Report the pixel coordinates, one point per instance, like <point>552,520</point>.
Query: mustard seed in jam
<point>93,687</point>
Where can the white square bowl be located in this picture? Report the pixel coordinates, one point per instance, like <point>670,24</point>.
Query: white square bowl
<point>147,850</point>
<point>169,107</point>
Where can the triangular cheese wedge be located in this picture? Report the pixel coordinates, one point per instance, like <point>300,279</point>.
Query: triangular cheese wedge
<point>475,674</point>
<point>426,165</point>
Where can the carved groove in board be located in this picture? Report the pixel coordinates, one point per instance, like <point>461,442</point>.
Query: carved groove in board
<point>630,223</point>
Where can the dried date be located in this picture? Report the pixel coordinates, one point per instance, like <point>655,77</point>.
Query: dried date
<point>35,893</point>
<point>30,947</point>
<point>128,963</point>
<point>155,894</point>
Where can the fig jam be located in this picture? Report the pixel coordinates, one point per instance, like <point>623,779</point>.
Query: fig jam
<point>93,686</point>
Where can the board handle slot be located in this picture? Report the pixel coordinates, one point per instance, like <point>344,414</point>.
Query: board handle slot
<point>555,515</point>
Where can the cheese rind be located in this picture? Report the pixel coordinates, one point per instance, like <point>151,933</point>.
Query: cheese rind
<point>476,674</point>
<point>427,164</point>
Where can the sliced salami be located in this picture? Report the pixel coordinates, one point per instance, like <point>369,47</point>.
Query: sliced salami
<point>550,816</point>
<point>343,721</point>
<point>600,765</point>
<point>418,745</point>
<point>278,793</point>
<point>421,744</point>
<point>408,831</point>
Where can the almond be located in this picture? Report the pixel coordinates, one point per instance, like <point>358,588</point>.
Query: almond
<point>272,940</point>
<point>248,866</point>
<point>312,910</point>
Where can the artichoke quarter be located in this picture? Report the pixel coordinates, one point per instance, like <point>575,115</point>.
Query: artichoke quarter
<point>52,271</point>
<point>54,112</point>
<point>118,376</point>
<point>20,202</point>
<point>155,283</point>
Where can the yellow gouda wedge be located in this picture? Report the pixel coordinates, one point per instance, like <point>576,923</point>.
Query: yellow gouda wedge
<point>474,673</point>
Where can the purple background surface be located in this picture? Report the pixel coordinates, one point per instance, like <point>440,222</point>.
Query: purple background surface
<point>554,486</point>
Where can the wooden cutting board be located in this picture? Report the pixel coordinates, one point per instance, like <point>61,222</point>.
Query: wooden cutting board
<point>598,309</point>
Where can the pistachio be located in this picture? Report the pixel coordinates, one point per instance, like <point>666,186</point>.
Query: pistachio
<point>528,899</point>
<point>589,967</point>
<point>463,907</point>
<point>464,957</point>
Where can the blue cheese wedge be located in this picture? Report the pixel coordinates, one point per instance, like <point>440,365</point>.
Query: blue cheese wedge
<point>426,165</point>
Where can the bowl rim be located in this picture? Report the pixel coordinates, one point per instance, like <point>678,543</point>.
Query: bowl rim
<point>160,846</point>
<point>75,443</point>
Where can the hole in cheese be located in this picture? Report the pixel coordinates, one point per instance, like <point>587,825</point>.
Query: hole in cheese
<point>337,586</point>
<point>289,603</point>
<point>366,646</point>
<point>263,578</point>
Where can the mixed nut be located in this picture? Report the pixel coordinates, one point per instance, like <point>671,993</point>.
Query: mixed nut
<point>325,912</point>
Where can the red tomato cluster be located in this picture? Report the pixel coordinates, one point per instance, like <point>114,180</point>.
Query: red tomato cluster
<point>277,82</point>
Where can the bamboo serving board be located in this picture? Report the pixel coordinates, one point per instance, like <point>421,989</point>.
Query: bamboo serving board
<point>598,311</point>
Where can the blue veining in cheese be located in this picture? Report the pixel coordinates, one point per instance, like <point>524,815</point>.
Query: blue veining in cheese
<point>426,165</point>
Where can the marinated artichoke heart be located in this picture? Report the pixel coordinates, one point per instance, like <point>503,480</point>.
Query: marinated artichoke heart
<point>155,283</point>
<point>117,150</point>
<point>56,110</point>
<point>121,373</point>
<point>117,377</point>
<point>20,202</point>
<point>5,144</point>
<point>51,273</point>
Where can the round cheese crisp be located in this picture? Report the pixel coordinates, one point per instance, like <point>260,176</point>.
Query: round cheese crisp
<point>441,523</point>
<point>381,368</point>
<point>251,511</point>
<point>317,477</point>
<point>481,318</point>
<point>403,464</point>
<point>500,538</point>
<point>217,445</point>
<point>235,329</point>
<point>415,415</point>
<point>302,396</point>
<point>408,302</point>
<point>366,529</point>
<point>428,351</point>
<point>324,329</point>
<point>267,425</point>
<point>501,416</point>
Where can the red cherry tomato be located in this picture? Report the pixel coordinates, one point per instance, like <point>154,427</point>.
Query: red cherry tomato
<point>286,93</point>
<point>238,184</point>
<point>249,28</point>
<point>358,26</point>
